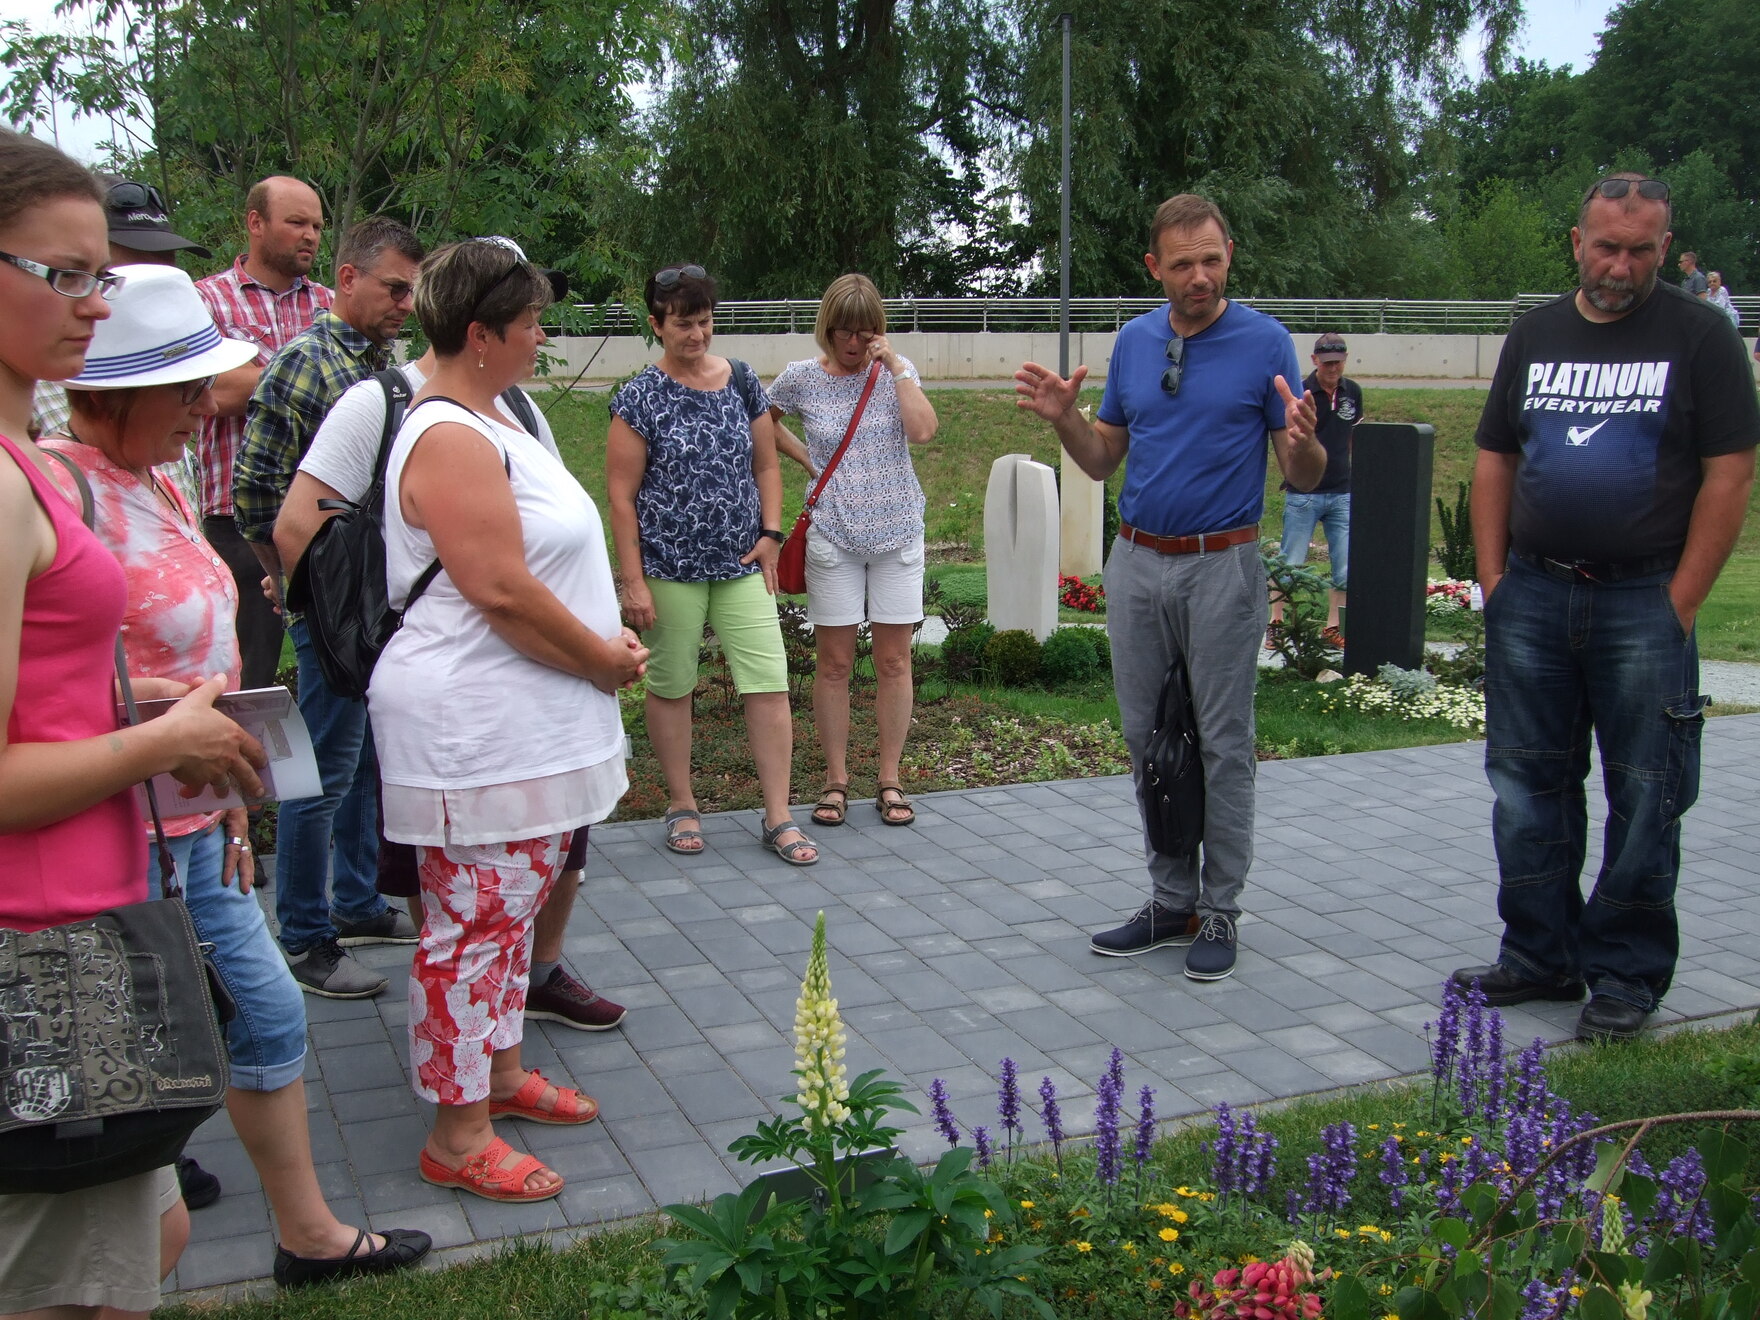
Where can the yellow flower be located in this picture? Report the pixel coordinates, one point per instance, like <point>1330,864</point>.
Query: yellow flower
<point>1183,1191</point>
<point>1398,1126</point>
<point>1466,1141</point>
<point>989,1214</point>
<point>1206,1196</point>
<point>1387,1290</point>
<point>1422,1133</point>
<point>1342,1232</point>
<point>1167,1210</point>
<point>1154,1285</point>
<point>1635,1302</point>
<point>1168,1235</point>
<point>1391,1315</point>
<point>1027,1205</point>
<point>1368,1230</point>
<point>1248,1259</point>
<point>1080,1212</point>
<point>1176,1268</point>
<point>1374,1127</point>
<point>1576,1291</point>
<point>1130,1247</point>
<point>1084,1246</point>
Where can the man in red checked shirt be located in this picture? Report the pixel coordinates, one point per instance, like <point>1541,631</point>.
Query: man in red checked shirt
<point>264,297</point>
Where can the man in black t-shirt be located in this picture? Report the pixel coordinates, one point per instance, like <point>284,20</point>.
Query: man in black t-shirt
<point>1616,455</point>
<point>1339,404</point>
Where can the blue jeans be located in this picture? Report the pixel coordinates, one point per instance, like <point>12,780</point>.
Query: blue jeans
<point>1333,512</point>
<point>266,1041</point>
<point>1562,659</point>
<point>346,814</point>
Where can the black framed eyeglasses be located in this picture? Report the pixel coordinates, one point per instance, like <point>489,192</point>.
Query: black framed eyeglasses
<point>69,283</point>
<point>1176,358</point>
<point>669,278</point>
<point>1654,190</point>
<point>129,195</point>
<point>192,390</point>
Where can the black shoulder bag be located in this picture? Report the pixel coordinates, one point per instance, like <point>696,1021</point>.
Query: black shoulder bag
<point>110,1047</point>
<point>1172,787</point>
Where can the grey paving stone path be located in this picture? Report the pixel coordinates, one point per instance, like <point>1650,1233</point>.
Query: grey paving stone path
<point>958,942</point>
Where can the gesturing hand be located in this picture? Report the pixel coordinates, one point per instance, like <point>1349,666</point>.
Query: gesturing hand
<point>1045,392</point>
<point>1301,417</point>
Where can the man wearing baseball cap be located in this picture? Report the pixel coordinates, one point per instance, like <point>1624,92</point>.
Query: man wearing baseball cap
<point>1339,402</point>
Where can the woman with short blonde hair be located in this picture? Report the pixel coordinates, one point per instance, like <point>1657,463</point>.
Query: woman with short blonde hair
<point>865,547</point>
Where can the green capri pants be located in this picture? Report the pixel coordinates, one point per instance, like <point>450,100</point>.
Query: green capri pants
<point>743,616</point>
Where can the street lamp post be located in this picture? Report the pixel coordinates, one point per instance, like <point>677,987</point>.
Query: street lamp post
<point>1067,21</point>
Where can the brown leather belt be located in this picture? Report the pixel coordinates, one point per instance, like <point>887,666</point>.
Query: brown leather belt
<point>1189,545</point>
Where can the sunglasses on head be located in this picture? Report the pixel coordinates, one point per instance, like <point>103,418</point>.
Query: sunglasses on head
<point>669,278</point>
<point>129,195</point>
<point>1176,357</point>
<point>1654,190</point>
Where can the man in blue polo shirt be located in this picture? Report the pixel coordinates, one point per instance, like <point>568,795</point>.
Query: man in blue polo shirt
<point>1193,392</point>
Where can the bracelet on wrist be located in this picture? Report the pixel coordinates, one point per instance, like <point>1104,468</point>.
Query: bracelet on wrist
<point>902,375</point>
<point>773,533</point>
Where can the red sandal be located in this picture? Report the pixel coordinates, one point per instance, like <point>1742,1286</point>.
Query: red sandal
<point>570,1107</point>
<point>483,1175</point>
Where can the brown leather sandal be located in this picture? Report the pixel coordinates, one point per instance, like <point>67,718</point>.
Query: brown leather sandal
<point>832,809</point>
<point>890,807</point>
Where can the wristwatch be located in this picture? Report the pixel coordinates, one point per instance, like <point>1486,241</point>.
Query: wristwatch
<point>773,534</point>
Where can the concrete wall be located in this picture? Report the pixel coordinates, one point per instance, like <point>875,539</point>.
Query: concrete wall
<point>975,356</point>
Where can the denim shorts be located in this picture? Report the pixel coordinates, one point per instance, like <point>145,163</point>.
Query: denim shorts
<point>743,615</point>
<point>1332,511</point>
<point>266,1041</point>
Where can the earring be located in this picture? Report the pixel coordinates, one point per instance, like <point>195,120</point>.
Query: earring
<point>480,362</point>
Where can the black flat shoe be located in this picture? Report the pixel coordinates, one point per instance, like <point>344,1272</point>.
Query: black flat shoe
<point>1503,987</point>
<point>1605,1018</point>
<point>403,1248</point>
<point>200,1188</point>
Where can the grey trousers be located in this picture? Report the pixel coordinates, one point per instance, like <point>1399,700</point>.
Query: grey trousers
<point>1212,609</point>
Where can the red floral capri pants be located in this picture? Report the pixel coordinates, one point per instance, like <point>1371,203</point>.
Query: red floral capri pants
<point>467,994</point>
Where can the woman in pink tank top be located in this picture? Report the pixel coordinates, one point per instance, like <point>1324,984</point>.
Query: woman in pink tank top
<point>70,835</point>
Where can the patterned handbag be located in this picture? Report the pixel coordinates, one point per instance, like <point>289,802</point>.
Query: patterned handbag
<point>110,1047</point>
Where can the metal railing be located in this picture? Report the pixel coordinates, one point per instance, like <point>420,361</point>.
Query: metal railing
<point>1103,315</point>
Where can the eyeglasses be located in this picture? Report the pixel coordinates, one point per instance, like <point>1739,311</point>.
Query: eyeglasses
<point>1176,357</point>
<point>1654,190</point>
<point>128,195</point>
<point>193,390</point>
<point>669,278</point>
<point>398,289</point>
<point>69,283</point>
<point>855,334</point>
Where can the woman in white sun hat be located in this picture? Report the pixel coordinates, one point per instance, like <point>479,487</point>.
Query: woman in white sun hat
<point>143,393</point>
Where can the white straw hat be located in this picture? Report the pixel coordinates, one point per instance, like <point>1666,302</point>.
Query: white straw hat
<point>159,332</point>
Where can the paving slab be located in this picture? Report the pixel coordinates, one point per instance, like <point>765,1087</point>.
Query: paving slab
<point>964,941</point>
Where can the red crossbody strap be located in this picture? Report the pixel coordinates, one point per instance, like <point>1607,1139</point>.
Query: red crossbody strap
<point>854,420</point>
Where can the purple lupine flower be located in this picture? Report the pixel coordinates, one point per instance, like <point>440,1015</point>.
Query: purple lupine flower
<point>1531,1092</point>
<point>1008,1103</point>
<point>1448,1034</point>
<point>1638,1165</point>
<point>1145,1126</point>
<point>1106,1145</point>
<point>1680,1201</point>
<point>943,1115</point>
<point>1521,1146</point>
<point>1292,1206</point>
<point>1331,1170</point>
<point>981,1140</point>
<point>1263,1166</point>
<point>1393,1172</point>
<point>1468,1067</point>
<point>1115,1069</point>
<point>1494,1067</point>
<point>1448,1188</point>
<point>1223,1151</point>
<point>1053,1121</point>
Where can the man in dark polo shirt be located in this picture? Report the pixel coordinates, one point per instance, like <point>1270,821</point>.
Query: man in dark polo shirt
<point>1338,404</point>
<point>1193,392</point>
<point>1616,455</point>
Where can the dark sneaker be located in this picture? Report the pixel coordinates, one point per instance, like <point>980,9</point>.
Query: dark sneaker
<point>1605,1018</point>
<point>392,926</point>
<point>572,1003</point>
<point>324,969</point>
<point>1154,925</point>
<point>403,1248</point>
<point>200,1188</point>
<point>1211,956</point>
<point>1502,986</point>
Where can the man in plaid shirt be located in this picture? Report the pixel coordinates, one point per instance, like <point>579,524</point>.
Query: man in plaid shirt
<point>375,282</point>
<point>264,297</point>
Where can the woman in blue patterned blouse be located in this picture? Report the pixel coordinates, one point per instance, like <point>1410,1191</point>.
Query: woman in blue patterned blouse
<point>696,509</point>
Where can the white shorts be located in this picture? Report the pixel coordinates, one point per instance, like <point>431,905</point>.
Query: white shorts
<point>844,588</point>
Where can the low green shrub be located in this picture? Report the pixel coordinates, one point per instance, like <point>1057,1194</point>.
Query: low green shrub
<point>1012,657</point>
<point>1069,656</point>
<point>962,651</point>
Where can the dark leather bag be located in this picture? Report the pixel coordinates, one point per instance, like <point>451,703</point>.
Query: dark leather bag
<point>1172,786</point>
<point>111,1052</point>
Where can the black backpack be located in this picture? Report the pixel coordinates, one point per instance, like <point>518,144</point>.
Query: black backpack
<point>1172,786</point>
<point>339,583</point>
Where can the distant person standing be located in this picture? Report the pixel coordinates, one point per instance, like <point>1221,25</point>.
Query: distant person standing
<point>1692,278</point>
<point>265,297</point>
<point>1338,401</point>
<point>1718,296</point>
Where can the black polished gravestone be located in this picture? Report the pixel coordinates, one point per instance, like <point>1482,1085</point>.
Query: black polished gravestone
<point>1390,545</point>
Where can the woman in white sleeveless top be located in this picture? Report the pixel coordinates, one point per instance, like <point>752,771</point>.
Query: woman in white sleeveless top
<point>494,708</point>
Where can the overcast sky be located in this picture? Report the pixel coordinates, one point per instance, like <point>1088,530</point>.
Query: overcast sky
<point>1558,32</point>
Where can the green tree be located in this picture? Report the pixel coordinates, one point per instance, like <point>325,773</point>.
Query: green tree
<point>459,116</point>
<point>1507,243</point>
<point>798,139</point>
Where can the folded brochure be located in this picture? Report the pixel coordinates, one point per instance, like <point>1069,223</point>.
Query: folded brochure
<point>269,715</point>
